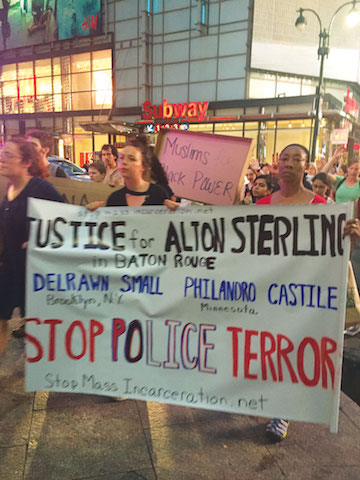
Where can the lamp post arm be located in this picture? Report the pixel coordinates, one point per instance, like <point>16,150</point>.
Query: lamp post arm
<point>315,13</point>
<point>338,10</point>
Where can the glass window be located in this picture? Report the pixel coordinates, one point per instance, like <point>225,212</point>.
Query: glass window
<point>81,82</point>
<point>43,67</point>
<point>44,103</point>
<point>266,145</point>
<point>11,105</point>
<point>8,72</point>
<point>292,131</point>
<point>43,86</point>
<point>82,144</point>
<point>81,101</point>
<point>27,105</point>
<point>100,140</point>
<point>251,126</point>
<point>57,103</point>
<point>229,128</point>
<point>26,87</point>
<point>102,99</point>
<point>80,62</point>
<point>204,127</point>
<point>102,80</point>
<point>56,66</point>
<point>25,70</point>
<point>57,84</point>
<point>10,89</point>
<point>102,60</point>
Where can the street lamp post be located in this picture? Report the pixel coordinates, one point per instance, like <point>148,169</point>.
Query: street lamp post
<point>323,51</point>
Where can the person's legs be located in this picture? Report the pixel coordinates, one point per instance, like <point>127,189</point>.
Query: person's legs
<point>3,335</point>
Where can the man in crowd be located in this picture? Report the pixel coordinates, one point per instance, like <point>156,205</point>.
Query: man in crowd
<point>43,142</point>
<point>109,156</point>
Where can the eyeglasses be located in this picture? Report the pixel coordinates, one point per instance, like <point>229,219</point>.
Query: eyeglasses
<point>8,155</point>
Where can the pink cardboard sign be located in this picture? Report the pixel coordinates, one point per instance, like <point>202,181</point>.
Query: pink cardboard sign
<point>204,167</point>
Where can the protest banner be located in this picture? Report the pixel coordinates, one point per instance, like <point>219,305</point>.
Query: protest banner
<point>81,193</point>
<point>202,167</point>
<point>238,309</point>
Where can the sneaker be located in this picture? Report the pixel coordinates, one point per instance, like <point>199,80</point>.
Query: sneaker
<point>277,429</point>
<point>19,332</point>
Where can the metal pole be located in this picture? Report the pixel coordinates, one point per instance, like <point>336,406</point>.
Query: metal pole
<point>323,50</point>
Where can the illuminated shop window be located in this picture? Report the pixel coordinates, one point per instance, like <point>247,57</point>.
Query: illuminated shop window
<point>79,82</point>
<point>80,62</point>
<point>101,60</point>
<point>201,127</point>
<point>43,68</point>
<point>8,72</point>
<point>44,86</point>
<point>25,70</point>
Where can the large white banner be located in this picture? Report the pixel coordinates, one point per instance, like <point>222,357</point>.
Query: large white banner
<point>239,309</point>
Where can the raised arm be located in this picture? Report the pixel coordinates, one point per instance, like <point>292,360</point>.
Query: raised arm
<point>336,157</point>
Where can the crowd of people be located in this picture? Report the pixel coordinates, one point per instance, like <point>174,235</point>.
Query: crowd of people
<point>139,179</point>
<point>331,180</point>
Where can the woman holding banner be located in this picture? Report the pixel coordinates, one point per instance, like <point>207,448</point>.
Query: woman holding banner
<point>134,163</point>
<point>293,161</point>
<point>21,164</point>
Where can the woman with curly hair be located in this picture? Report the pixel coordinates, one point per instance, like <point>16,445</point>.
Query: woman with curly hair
<point>21,164</point>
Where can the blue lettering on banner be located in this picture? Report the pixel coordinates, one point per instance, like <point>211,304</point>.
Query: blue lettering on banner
<point>303,295</point>
<point>64,282</point>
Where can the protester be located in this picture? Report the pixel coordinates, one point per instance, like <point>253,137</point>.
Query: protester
<point>97,172</point>
<point>134,163</point>
<point>109,156</point>
<point>263,186</point>
<point>311,172</point>
<point>22,165</point>
<point>292,164</point>
<point>321,185</point>
<point>43,142</point>
<point>245,193</point>
<point>134,160</point>
<point>347,188</point>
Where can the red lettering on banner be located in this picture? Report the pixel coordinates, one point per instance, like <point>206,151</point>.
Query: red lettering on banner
<point>35,342</point>
<point>300,362</point>
<point>326,361</point>
<point>68,340</point>
<point>266,355</point>
<point>235,348</point>
<point>248,355</point>
<point>96,329</point>
<point>282,353</point>
<point>282,347</point>
<point>118,328</point>
<point>52,337</point>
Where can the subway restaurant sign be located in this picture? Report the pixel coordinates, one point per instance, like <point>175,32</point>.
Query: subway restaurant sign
<point>239,309</point>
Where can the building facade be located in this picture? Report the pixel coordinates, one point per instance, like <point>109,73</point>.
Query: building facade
<point>93,76</point>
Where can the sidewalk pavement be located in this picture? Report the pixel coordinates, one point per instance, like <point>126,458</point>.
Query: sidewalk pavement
<point>76,437</point>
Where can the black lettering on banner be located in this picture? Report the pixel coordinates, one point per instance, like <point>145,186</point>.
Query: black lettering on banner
<point>134,326</point>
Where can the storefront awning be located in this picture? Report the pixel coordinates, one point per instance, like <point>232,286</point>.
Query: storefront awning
<point>113,128</point>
